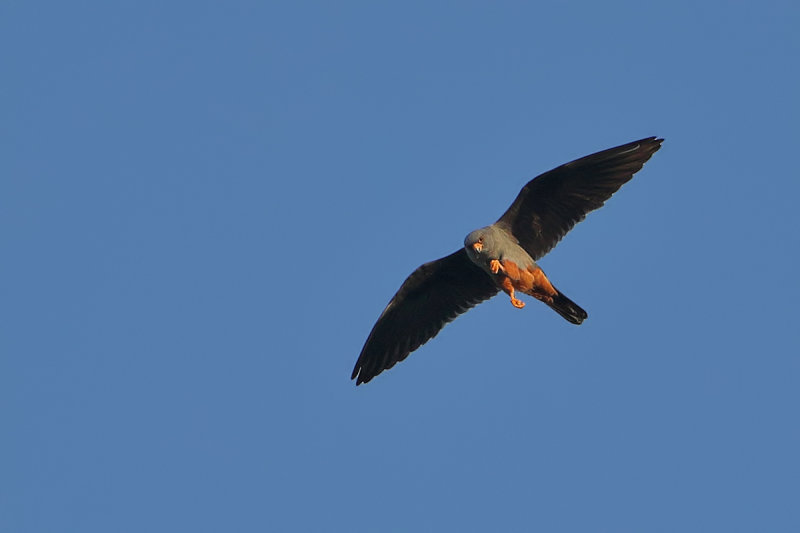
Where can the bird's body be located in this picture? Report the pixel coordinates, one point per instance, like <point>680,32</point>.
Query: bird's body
<point>512,269</point>
<point>501,256</point>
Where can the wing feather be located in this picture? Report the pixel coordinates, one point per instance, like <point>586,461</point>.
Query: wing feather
<point>552,203</point>
<point>433,295</point>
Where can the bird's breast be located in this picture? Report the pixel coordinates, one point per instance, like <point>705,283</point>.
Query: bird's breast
<point>510,252</point>
<point>513,252</point>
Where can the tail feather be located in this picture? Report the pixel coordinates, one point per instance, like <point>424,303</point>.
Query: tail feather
<point>565,307</point>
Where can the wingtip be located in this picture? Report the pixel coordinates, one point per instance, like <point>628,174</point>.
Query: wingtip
<point>359,375</point>
<point>654,140</point>
<point>648,145</point>
<point>655,143</point>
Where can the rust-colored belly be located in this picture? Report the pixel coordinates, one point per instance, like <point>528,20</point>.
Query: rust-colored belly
<point>531,281</point>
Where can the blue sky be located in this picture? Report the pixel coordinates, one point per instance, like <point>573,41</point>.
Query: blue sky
<point>204,206</point>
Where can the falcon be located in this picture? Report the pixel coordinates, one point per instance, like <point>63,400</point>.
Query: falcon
<point>501,256</point>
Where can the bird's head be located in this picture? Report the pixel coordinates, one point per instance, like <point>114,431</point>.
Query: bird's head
<point>482,243</point>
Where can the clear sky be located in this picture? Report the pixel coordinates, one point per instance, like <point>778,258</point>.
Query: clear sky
<point>204,206</point>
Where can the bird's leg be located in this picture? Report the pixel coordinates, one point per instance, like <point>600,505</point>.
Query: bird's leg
<point>508,288</point>
<point>496,266</point>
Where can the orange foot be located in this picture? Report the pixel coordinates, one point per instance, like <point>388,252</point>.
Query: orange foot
<point>495,266</point>
<point>519,304</point>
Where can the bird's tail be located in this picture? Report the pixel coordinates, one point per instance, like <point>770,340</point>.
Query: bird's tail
<point>567,308</point>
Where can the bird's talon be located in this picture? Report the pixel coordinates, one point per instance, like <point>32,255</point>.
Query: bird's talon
<point>519,304</point>
<point>495,266</point>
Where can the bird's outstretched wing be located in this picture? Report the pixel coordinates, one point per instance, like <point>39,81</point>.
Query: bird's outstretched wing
<point>433,295</point>
<point>552,203</point>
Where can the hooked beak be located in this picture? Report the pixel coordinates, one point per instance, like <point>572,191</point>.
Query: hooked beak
<point>478,246</point>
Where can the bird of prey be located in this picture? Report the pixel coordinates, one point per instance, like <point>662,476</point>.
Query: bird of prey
<point>501,256</point>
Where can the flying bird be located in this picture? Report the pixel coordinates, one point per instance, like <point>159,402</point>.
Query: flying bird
<point>501,256</point>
